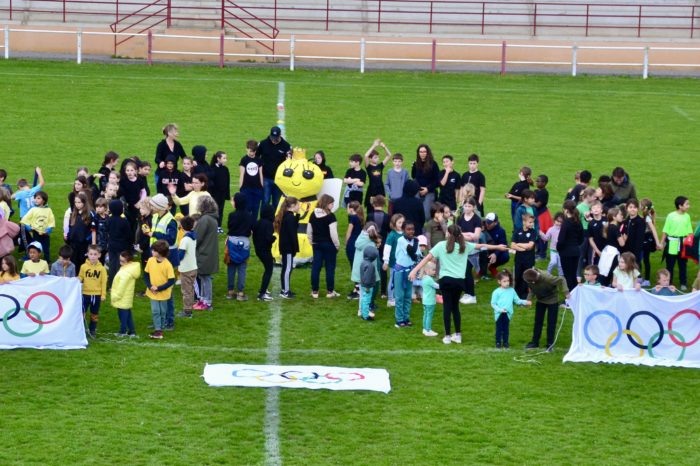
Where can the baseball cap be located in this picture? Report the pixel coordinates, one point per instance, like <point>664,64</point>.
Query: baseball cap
<point>36,245</point>
<point>491,217</point>
<point>275,132</point>
<point>422,240</point>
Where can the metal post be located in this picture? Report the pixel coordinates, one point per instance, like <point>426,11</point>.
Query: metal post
<point>7,42</point>
<point>431,18</point>
<point>362,55</point>
<point>692,21</point>
<point>223,19</point>
<point>588,10</point>
<point>433,57</point>
<point>645,71</point>
<point>379,16</point>
<point>574,49</point>
<point>534,22</point>
<point>79,46</point>
<point>150,47</point>
<point>10,10</point>
<point>291,53</point>
<point>639,22</point>
<point>64,11</point>
<point>483,16</point>
<point>169,14</point>
<point>221,50</point>
<point>328,6</point>
<point>503,58</point>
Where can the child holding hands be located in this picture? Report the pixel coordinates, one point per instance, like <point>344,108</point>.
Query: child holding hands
<point>502,300</point>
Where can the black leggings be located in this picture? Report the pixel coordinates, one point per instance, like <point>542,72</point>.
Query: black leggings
<point>451,291</point>
<point>569,264</point>
<point>268,262</point>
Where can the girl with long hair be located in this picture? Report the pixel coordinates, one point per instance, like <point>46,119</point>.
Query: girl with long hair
<point>286,225</point>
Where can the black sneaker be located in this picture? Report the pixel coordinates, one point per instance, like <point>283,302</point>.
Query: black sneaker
<point>185,315</point>
<point>550,349</point>
<point>498,345</point>
<point>353,295</point>
<point>408,323</point>
<point>400,324</point>
<point>531,345</point>
<point>169,328</point>
<point>368,318</point>
<point>285,295</point>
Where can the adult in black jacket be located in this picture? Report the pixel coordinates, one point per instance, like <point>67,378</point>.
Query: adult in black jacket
<point>427,174</point>
<point>169,146</point>
<point>221,185</point>
<point>569,245</point>
<point>410,206</point>
<point>263,239</point>
<point>272,151</point>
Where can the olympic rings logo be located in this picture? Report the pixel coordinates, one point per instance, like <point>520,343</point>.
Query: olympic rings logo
<point>298,376</point>
<point>635,339</point>
<point>31,315</point>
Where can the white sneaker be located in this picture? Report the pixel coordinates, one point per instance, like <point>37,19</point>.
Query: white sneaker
<point>391,303</point>
<point>446,339</point>
<point>468,299</point>
<point>429,333</point>
<point>456,338</point>
<point>359,313</point>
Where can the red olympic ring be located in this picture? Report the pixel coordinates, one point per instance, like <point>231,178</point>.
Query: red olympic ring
<point>43,293</point>
<point>670,328</point>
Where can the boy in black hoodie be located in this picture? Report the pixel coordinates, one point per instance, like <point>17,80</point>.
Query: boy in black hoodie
<point>119,237</point>
<point>240,227</point>
<point>263,239</point>
<point>410,206</point>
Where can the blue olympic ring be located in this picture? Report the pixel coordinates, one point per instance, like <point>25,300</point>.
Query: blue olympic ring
<point>606,313</point>
<point>17,307</point>
<point>658,322</point>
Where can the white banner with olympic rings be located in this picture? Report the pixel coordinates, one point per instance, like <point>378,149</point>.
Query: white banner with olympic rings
<point>634,327</point>
<point>313,377</point>
<point>42,312</point>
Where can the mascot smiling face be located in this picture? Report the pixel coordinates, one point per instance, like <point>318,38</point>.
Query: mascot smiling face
<point>297,177</point>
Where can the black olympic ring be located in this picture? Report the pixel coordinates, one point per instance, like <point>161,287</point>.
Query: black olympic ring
<point>17,306</point>
<point>658,322</point>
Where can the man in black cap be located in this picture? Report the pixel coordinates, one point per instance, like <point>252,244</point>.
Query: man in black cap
<point>489,261</point>
<point>272,151</point>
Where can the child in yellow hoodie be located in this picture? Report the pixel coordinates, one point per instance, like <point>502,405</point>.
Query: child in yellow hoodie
<point>93,276</point>
<point>123,293</point>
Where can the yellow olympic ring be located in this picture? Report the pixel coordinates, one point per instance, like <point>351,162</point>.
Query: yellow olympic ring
<point>626,332</point>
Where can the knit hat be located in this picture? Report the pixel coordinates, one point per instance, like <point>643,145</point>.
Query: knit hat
<point>159,202</point>
<point>199,152</point>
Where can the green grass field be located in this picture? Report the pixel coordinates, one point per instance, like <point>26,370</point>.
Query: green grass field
<point>143,402</point>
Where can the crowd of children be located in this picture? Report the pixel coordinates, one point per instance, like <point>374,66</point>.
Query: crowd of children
<point>427,245</point>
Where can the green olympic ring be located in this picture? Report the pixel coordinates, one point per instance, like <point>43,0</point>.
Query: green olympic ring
<point>19,334</point>
<point>667,332</point>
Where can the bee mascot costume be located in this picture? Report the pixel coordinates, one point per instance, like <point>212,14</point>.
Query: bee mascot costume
<point>297,177</point>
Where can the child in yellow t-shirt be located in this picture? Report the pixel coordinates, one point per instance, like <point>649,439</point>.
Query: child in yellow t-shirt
<point>35,265</point>
<point>8,272</point>
<point>93,276</point>
<point>160,278</point>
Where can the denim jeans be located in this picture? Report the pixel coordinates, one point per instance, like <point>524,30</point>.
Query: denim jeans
<point>232,269</point>
<point>323,253</point>
<point>271,192</point>
<point>253,200</point>
<point>159,310</point>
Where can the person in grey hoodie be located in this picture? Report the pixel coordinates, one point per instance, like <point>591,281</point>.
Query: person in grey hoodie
<point>369,277</point>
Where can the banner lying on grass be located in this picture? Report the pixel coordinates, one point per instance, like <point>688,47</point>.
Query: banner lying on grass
<point>634,327</point>
<point>42,312</point>
<point>313,377</point>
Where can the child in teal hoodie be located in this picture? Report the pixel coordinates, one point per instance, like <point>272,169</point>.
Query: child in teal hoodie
<point>502,301</point>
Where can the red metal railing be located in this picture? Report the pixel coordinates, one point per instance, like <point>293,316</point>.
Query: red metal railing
<point>231,11</point>
<point>140,21</point>
<point>427,16</point>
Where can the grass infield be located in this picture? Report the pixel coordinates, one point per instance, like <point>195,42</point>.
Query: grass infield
<point>143,402</point>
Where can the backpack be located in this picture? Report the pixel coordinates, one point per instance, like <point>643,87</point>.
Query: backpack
<point>238,251</point>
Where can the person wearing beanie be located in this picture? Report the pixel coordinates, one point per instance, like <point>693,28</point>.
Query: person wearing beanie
<point>240,228</point>
<point>199,154</point>
<point>168,175</point>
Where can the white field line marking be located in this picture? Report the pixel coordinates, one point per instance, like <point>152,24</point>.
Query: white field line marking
<point>441,349</point>
<point>682,113</point>
<point>366,85</point>
<point>272,398</point>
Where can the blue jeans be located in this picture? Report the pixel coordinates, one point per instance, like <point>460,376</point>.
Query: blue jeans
<point>232,269</point>
<point>170,313</point>
<point>323,253</point>
<point>253,200</point>
<point>271,192</point>
<point>402,296</point>
<point>159,310</point>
